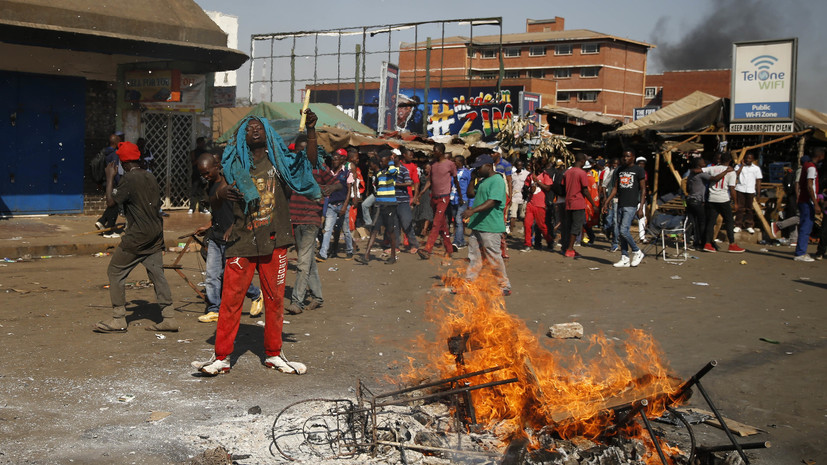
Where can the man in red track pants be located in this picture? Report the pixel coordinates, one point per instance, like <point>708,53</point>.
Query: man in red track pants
<point>260,171</point>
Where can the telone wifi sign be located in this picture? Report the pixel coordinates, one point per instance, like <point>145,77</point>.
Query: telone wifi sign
<point>763,81</point>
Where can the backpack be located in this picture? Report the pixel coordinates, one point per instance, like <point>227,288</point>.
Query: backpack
<point>97,168</point>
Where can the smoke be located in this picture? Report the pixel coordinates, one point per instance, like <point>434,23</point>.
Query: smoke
<point>708,45</point>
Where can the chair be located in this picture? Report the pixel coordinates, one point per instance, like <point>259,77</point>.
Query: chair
<point>677,239</point>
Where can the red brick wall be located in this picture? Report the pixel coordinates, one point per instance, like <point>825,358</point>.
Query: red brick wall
<point>679,84</point>
<point>543,25</point>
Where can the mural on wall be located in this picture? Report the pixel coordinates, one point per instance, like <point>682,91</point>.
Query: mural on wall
<point>485,112</point>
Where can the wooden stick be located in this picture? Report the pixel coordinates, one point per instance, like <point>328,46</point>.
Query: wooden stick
<point>762,144</point>
<point>304,107</point>
<point>99,231</point>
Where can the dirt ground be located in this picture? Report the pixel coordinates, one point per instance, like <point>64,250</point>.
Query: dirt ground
<point>61,383</point>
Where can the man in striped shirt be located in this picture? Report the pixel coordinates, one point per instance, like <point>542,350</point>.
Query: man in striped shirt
<point>386,199</point>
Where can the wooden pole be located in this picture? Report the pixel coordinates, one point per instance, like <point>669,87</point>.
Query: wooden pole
<point>654,207</point>
<point>744,150</point>
<point>304,108</point>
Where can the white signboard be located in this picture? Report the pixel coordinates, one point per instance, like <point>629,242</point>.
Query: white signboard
<point>763,81</point>
<point>761,127</point>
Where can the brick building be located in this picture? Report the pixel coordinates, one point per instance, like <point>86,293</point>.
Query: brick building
<point>573,68</point>
<point>671,86</point>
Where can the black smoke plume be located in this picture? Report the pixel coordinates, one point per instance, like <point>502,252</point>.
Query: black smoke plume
<point>708,44</point>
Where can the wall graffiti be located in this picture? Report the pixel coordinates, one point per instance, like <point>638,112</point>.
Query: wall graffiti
<point>450,111</point>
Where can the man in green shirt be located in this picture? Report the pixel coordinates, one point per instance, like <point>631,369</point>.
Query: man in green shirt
<point>487,222</point>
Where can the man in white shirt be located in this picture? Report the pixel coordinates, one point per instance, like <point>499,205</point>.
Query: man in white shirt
<point>746,188</point>
<point>718,197</point>
<point>517,209</point>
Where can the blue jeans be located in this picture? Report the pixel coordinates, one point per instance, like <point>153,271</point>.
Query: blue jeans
<point>806,218</point>
<point>625,217</point>
<point>214,276</point>
<point>307,277</point>
<point>611,223</point>
<point>406,225</point>
<point>459,226</point>
<point>334,217</point>
<point>366,205</point>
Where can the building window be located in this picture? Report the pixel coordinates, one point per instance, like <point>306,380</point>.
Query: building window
<point>563,97</point>
<point>589,96</point>
<point>588,49</point>
<point>512,75</point>
<point>489,53</point>
<point>650,92</point>
<point>564,49</point>
<point>536,73</point>
<point>512,52</point>
<point>471,52</point>
<point>590,72</point>
<point>489,75</point>
<point>562,73</point>
<point>536,51</point>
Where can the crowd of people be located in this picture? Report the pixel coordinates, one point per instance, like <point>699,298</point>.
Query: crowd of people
<point>265,196</point>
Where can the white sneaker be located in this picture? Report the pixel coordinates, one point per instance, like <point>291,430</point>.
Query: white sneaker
<point>98,225</point>
<point>750,230</point>
<point>736,229</point>
<point>637,257</point>
<point>212,366</point>
<point>190,211</point>
<point>280,363</point>
<point>112,235</point>
<point>804,258</point>
<point>623,263</point>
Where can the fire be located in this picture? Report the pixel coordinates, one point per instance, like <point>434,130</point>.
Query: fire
<point>558,388</point>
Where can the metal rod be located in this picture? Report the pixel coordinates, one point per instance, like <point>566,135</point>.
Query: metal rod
<point>438,449</point>
<point>654,438</point>
<point>636,408</point>
<point>437,383</point>
<point>696,377</point>
<point>728,447</point>
<point>446,393</point>
<point>722,422</point>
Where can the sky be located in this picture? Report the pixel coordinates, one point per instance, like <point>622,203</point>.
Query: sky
<point>694,34</point>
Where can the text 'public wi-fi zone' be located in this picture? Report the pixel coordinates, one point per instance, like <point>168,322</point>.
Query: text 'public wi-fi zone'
<point>764,61</point>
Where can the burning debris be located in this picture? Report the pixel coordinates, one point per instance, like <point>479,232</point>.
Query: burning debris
<point>503,397</point>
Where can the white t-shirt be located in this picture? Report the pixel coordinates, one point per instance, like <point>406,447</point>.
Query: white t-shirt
<point>719,191</point>
<point>746,180</point>
<point>517,183</point>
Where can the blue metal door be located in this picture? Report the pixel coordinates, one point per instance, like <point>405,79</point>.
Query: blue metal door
<point>42,130</point>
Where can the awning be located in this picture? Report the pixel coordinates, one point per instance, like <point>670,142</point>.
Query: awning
<point>695,112</point>
<point>159,29</point>
<point>806,118</point>
<point>589,116</point>
<point>328,115</point>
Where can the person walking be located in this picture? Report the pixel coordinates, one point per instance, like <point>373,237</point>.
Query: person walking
<point>443,171</point>
<point>746,188</point>
<point>577,194</point>
<point>142,243</point>
<point>630,190</point>
<point>486,220</point>
<point>808,204</point>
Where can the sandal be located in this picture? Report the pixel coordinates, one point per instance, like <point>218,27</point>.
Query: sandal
<point>108,327</point>
<point>361,259</point>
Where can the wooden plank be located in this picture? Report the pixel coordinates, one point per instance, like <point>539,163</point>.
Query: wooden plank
<point>741,429</point>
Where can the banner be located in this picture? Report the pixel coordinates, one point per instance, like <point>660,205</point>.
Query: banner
<point>529,103</point>
<point>193,96</point>
<point>388,92</point>
<point>763,81</point>
<point>153,86</point>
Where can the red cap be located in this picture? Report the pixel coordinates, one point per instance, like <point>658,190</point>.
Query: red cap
<point>341,152</point>
<point>127,151</point>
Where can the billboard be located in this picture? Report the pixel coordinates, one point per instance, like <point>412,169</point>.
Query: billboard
<point>763,85</point>
<point>388,92</point>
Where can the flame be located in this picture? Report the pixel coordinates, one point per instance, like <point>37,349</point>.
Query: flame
<point>557,387</point>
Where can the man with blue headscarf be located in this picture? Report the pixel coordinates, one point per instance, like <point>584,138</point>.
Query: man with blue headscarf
<point>260,172</point>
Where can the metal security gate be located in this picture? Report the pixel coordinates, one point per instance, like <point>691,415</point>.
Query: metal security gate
<point>170,136</point>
